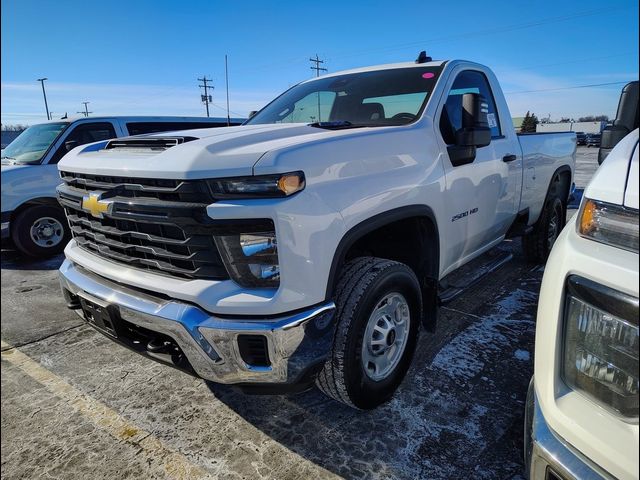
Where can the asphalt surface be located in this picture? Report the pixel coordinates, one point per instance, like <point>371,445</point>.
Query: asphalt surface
<point>76,405</point>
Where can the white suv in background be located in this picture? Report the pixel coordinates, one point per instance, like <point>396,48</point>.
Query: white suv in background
<point>582,408</point>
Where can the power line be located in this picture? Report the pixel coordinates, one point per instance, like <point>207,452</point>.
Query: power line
<point>567,88</point>
<point>497,30</point>
<point>206,98</point>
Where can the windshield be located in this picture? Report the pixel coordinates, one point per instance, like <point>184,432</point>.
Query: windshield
<point>32,144</point>
<point>376,98</point>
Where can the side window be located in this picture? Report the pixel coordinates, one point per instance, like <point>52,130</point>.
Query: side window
<point>469,81</point>
<point>85,133</point>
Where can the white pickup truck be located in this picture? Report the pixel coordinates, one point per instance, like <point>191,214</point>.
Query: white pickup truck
<point>582,405</point>
<point>310,243</point>
<point>31,215</point>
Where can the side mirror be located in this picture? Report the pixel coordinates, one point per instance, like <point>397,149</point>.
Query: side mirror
<point>611,135</point>
<point>252,113</point>
<point>70,145</point>
<point>475,131</point>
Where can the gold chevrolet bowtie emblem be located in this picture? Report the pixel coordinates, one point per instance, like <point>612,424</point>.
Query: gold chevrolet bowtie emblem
<point>95,206</point>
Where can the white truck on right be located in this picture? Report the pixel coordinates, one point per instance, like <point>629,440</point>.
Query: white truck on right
<point>581,418</point>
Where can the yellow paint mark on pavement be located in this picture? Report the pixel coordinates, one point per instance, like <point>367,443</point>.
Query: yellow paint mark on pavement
<point>175,464</point>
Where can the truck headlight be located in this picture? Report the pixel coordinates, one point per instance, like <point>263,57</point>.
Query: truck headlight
<point>610,224</point>
<point>251,258</point>
<point>600,357</point>
<point>259,186</point>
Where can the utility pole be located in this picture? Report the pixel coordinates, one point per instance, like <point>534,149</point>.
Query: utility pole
<point>206,98</point>
<point>318,68</point>
<point>226,78</point>
<point>44,94</point>
<point>86,109</point>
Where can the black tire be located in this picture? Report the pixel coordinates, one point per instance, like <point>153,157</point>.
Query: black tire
<point>21,231</point>
<point>538,244</point>
<point>362,285</point>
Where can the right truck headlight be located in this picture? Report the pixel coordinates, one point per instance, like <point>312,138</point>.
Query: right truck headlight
<point>600,357</point>
<point>609,224</point>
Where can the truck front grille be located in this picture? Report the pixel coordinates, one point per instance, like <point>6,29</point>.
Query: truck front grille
<point>152,224</point>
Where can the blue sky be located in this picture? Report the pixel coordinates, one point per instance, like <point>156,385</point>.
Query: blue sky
<point>143,57</point>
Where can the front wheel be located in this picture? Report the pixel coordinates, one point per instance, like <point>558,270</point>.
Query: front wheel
<point>378,314</point>
<point>40,231</point>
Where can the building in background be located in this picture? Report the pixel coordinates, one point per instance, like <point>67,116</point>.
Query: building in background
<point>586,127</point>
<point>517,123</point>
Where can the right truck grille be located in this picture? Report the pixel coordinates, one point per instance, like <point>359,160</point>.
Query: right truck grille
<point>151,224</point>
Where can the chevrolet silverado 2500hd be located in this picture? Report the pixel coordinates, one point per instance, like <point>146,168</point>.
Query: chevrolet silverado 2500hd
<point>31,215</point>
<point>309,243</point>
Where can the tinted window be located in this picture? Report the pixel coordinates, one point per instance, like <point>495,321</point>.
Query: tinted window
<point>140,128</point>
<point>85,133</point>
<point>469,81</point>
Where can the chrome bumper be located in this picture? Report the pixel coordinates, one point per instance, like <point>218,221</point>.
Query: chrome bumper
<point>296,342</point>
<point>550,453</point>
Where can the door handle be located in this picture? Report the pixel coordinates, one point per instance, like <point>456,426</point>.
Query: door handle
<point>509,158</point>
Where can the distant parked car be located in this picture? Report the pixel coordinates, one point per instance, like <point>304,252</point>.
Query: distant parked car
<point>581,138</point>
<point>593,140</point>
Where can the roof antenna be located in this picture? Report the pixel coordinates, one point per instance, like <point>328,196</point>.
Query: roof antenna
<point>423,58</point>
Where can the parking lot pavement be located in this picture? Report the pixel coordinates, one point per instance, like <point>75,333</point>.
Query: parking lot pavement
<point>586,165</point>
<point>75,404</point>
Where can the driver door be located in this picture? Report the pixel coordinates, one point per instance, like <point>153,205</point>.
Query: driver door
<point>481,195</point>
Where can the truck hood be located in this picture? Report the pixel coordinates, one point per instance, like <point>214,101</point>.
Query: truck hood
<point>216,152</point>
<point>616,180</point>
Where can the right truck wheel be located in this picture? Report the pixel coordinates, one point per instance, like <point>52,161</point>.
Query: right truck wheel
<point>378,311</point>
<point>538,244</point>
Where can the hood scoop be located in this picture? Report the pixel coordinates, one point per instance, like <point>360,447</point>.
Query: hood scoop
<point>146,144</point>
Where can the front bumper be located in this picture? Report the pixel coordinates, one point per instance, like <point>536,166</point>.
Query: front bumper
<point>296,343</point>
<point>547,454</point>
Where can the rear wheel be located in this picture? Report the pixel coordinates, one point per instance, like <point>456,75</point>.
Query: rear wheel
<point>538,244</point>
<point>378,315</point>
<point>40,231</point>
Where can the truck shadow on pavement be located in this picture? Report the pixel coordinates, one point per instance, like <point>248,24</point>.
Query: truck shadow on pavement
<point>458,413</point>
<point>14,260</point>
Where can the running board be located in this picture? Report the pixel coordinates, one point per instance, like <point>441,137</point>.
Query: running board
<point>449,292</point>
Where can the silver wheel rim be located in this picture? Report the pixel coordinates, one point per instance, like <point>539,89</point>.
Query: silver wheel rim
<point>385,337</point>
<point>552,233</point>
<point>47,232</point>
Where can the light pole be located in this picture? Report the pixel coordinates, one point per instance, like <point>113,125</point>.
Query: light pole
<point>44,94</point>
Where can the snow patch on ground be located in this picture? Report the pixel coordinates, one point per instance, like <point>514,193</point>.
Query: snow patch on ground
<point>463,357</point>
<point>522,355</point>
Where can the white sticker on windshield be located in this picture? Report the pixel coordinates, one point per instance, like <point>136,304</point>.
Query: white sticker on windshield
<point>491,118</point>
